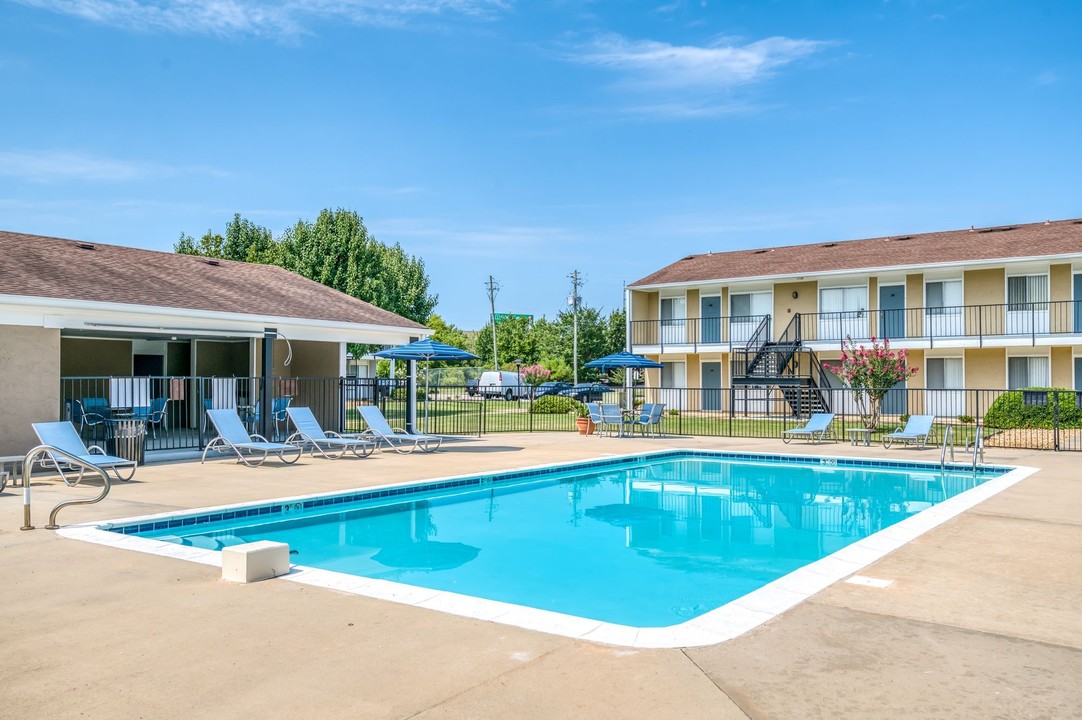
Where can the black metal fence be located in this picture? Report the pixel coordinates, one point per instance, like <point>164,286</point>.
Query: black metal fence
<point>174,409</point>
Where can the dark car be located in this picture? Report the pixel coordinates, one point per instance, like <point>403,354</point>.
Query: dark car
<point>587,392</point>
<point>471,387</point>
<point>552,387</point>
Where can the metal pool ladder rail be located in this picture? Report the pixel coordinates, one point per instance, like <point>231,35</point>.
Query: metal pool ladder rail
<point>56,455</point>
<point>978,446</point>
<point>948,439</point>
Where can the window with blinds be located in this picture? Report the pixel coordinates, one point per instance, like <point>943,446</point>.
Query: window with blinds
<point>1027,372</point>
<point>1027,292</point>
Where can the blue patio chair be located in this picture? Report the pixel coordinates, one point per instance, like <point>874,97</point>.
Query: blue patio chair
<point>381,430</point>
<point>649,417</point>
<point>594,410</point>
<point>154,414</point>
<point>88,412</point>
<point>918,429</point>
<point>815,430</point>
<point>65,438</point>
<point>278,413</point>
<point>310,433</point>
<point>232,436</point>
<point>611,419</point>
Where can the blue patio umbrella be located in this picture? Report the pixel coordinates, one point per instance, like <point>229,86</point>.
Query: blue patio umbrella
<point>623,360</point>
<point>427,350</point>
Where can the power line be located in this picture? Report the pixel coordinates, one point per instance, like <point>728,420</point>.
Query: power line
<point>493,288</point>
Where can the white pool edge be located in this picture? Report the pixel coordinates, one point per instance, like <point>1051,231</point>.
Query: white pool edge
<point>719,625</point>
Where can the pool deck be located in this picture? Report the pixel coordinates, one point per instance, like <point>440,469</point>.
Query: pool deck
<point>983,618</point>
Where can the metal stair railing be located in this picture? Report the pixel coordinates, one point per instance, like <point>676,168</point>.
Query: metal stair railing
<point>55,454</point>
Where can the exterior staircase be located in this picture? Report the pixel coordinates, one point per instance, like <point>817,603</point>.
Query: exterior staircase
<point>785,364</point>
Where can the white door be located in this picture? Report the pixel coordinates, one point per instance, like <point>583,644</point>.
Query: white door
<point>746,311</point>
<point>943,317</point>
<point>673,385</point>
<point>1027,305</point>
<point>674,321</point>
<point>843,312</point>
<point>945,382</point>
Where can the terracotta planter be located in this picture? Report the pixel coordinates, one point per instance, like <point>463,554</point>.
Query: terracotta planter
<point>586,425</point>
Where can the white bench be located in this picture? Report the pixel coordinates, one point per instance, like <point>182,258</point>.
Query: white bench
<point>10,466</point>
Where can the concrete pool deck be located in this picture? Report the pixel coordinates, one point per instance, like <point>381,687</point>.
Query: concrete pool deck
<point>983,618</point>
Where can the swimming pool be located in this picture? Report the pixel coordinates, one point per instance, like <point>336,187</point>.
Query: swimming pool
<point>673,547</point>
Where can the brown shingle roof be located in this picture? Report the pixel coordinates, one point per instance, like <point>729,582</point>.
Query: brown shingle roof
<point>1037,239</point>
<point>49,267</point>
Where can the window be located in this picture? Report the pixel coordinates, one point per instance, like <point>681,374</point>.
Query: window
<point>943,297</point>
<point>945,373</point>
<point>1026,372</point>
<point>1025,290</point>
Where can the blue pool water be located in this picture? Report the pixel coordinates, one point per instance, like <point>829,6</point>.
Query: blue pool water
<point>644,541</point>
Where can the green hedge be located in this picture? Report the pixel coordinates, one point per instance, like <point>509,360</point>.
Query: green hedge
<point>1010,410</point>
<point>554,405</point>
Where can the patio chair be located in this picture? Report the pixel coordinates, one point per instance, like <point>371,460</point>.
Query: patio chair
<point>381,430</point>
<point>232,436</point>
<point>816,430</point>
<point>278,413</point>
<point>310,433</point>
<point>612,419</point>
<point>594,410</point>
<point>65,438</point>
<point>88,412</point>
<point>918,429</point>
<point>649,417</point>
<point>154,414</point>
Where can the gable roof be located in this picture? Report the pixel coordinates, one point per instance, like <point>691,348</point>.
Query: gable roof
<point>48,267</point>
<point>955,246</point>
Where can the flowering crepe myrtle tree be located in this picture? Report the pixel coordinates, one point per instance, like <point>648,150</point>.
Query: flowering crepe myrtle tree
<point>535,374</point>
<point>871,372</point>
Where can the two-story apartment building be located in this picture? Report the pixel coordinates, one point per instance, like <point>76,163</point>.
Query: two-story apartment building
<point>983,308</point>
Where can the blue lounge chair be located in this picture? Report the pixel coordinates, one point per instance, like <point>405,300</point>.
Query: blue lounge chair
<point>594,411</point>
<point>382,432</point>
<point>233,437</point>
<point>64,437</point>
<point>649,417</point>
<point>918,429</point>
<point>816,429</point>
<point>310,433</point>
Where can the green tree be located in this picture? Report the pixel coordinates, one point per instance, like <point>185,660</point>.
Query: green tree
<point>516,339</point>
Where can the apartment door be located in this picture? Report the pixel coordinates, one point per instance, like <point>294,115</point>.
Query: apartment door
<point>1027,305</point>
<point>674,321</point>
<point>712,393</point>
<point>943,315</point>
<point>843,312</point>
<point>673,385</point>
<point>945,383</point>
<point>746,311</point>
<point>892,311</point>
<point>710,306</point>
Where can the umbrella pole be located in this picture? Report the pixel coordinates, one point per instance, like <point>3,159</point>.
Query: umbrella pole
<point>427,361</point>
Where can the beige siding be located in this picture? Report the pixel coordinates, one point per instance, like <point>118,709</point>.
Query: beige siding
<point>641,304</point>
<point>1062,314</point>
<point>984,287</point>
<point>785,305</point>
<point>986,368</point>
<point>694,380</point>
<point>1062,370</point>
<point>84,357</point>
<point>914,298</point>
<point>222,359</point>
<point>29,384</point>
<point>693,308</point>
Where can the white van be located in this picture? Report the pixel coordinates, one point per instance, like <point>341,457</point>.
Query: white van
<point>502,383</point>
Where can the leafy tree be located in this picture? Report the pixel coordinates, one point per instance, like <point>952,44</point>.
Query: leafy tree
<point>243,240</point>
<point>516,342</point>
<point>871,373</point>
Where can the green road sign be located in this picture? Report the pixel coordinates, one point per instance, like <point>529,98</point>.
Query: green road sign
<point>504,316</point>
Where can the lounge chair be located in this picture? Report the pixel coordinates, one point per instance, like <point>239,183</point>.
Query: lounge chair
<point>649,417</point>
<point>612,417</point>
<point>382,432</point>
<point>594,411</point>
<point>310,433</point>
<point>817,429</point>
<point>918,429</point>
<point>64,437</point>
<point>233,437</point>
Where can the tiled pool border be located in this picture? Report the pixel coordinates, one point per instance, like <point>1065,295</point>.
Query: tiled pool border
<point>718,625</point>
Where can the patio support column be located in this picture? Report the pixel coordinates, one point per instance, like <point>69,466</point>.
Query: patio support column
<point>411,398</point>
<point>265,401</point>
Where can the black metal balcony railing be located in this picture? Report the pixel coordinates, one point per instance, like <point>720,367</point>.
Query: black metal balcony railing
<point>924,324</point>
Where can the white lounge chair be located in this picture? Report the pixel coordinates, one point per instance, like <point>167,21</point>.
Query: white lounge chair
<point>64,437</point>
<point>817,429</point>
<point>310,434</point>
<point>233,437</point>
<point>918,429</point>
<point>381,430</point>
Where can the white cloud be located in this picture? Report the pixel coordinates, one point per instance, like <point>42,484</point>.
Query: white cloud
<point>1048,77</point>
<point>43,166</point>
<point>651,64</point>
<point>440,236</point>
<point>255,17</point>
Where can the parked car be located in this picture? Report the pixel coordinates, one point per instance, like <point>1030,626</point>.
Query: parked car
<point>552,387</point>
<point>587,392</point>
<point>471,386</point>
<point>502,383</point>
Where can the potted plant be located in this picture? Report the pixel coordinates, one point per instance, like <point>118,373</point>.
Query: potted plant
<point>583,422</point>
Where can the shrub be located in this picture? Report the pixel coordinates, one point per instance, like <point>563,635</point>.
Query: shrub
<point>965,419</point>
<point>1011,409</point>
<point>555,405</point>
<point>673,413</point>
<point>903,418</point>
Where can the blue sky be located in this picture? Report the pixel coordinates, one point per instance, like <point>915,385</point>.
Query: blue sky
<point>526,139</point>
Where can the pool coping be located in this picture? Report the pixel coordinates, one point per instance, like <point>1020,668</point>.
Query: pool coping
<point>718,625</point>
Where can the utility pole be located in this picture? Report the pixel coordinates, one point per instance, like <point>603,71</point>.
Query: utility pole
<point>493,288</point>
<point>574,300</point>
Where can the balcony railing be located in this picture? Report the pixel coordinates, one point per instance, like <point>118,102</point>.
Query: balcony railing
<point>984,323</point>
